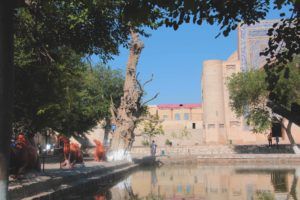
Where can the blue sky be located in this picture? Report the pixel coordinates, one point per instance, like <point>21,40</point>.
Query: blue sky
<point>175,59</point>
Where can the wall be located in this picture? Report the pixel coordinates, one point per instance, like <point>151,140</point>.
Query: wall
<point>213,101</point>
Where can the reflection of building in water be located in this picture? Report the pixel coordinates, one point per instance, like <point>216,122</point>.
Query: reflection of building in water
<point>213,183</point>
<point>279,181</point>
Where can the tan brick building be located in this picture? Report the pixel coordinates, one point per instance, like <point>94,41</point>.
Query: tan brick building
<point>179,115</point>
<point>220,123</point>
<point>182,124</point>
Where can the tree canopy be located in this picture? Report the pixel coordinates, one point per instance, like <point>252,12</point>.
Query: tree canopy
<point>87,27</point>
<point>152,126</point>
<point>249,94</point>
<point>67,95</point>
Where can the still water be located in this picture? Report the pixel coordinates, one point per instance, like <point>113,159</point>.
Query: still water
<point>204,183</point>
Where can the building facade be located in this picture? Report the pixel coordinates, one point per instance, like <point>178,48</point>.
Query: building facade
<point>220,124</point>
<point>179,115</point>
<point>182,124</point>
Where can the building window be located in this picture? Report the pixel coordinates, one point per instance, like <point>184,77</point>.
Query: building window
<point>177,116</point>
<point>194,125</point>
<point>221,126</point>
<point>165,116</point>
<point>203,126</point>
<point>186,116</point>
<point>209,126</point>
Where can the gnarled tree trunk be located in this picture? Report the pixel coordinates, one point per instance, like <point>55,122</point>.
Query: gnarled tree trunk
<point>288,130</point>
<point>126,116</point>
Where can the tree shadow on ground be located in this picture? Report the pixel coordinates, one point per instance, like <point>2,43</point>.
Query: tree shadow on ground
<point>263,149</point>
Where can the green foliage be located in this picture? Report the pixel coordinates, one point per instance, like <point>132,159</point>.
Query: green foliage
<point>54,87</point>
<point>67,95</point>
<point>173,134</point>
<point>185,133</point>
<point>248,93</point>
<point>247,90</point>
<point>89,102</point>
<point>152,196</point>
<point>101,26</point>
<point>168,142</point>
<point>152,126</point>
<point>287,89</point>
<point>87,26</point>
<point>145,143</point>
<point>264,196</point>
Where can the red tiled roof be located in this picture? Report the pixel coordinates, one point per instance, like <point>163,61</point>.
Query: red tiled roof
<point>178,106</point>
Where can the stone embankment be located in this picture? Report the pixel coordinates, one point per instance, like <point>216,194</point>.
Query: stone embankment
<point>55,182</point>
<point>214,150</point>
<point>225,154</point>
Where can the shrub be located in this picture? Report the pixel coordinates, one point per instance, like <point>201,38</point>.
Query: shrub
<point>145,143</point>
<point>168,142</point>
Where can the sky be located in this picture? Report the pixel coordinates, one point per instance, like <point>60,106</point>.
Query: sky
<point>175,59</point>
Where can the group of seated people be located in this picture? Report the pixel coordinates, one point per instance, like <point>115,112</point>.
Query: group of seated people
<point>24,154</point>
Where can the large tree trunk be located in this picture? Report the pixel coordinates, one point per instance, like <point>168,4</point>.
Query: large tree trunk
<point>6,90</point>
<point>129,111</point>
<point>288,131</point>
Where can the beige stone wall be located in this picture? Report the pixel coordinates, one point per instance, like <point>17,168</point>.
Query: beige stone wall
<point>217,110</point>
<point>221,126</point>
<point>178,118</point>
<point>182,126</point>
<point>213,101</point>
<point>237,131</point>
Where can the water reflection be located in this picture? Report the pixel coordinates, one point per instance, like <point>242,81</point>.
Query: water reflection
<point>207,183</point>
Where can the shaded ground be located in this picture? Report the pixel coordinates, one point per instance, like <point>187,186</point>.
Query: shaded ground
<point>55,180</point>
<point>263,149</point>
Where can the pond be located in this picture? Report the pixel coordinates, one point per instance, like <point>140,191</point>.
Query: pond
<point>200,182</point>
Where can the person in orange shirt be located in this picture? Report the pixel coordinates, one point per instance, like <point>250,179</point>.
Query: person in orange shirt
<point>99,151</point>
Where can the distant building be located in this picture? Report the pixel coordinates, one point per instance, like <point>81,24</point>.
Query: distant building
<point>182,124</point>
<point>179,115</point>
<point>220,124</point>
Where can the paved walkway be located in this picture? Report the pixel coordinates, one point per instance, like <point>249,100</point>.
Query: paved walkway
<point>54,178</point>
<point>53,170</point>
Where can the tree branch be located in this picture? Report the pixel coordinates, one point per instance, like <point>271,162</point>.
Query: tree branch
<point>155,96</point>
<point>280,110</point>
<point>148,81</point>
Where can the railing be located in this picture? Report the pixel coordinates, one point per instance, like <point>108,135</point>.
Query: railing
<point>57,153</point>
